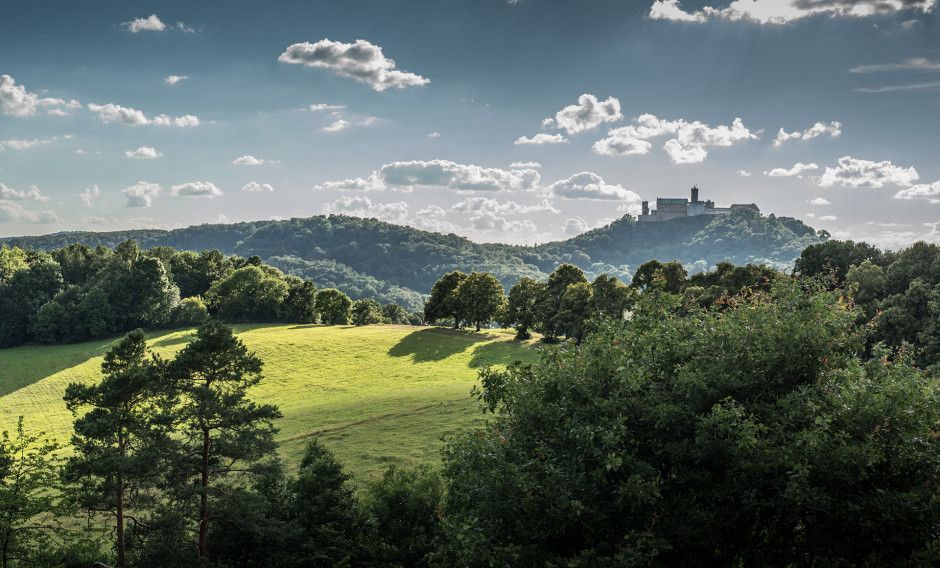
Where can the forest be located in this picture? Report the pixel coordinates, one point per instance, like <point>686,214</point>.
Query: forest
<point>735,416</point>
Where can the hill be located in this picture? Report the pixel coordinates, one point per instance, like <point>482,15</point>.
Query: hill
<point>393,263</point>
<point>375,395</point>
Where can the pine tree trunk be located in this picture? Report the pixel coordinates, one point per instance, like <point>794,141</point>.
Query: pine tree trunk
<point>204,497</point>
<point>120,520</point>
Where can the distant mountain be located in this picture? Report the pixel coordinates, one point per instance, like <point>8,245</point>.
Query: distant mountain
<point>371,258</point>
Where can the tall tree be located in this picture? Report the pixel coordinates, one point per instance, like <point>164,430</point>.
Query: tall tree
<point>120,440</point>
<point>549,305</point>
<point>366,312</point>
<point>444,301</point>
<point>333,306</point>
<point>521,306</point>
<point>224,434</point>
<point>480,296</point>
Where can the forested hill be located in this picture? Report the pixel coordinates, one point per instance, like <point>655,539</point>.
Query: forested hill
<point>371,258</point>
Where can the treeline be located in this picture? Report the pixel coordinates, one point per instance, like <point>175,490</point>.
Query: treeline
<point>78,293</point>
<point>172,464</point>
<point>392,263</point>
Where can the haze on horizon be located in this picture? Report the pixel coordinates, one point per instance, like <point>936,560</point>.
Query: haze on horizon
<point>516,121</point>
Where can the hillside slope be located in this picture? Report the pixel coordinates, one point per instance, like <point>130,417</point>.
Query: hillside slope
<point>367,257</point>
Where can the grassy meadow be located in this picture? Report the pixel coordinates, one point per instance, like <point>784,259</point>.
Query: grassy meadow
<point>375,395</point>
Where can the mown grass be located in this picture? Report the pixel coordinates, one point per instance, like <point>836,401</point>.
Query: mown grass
<point>375,395</point>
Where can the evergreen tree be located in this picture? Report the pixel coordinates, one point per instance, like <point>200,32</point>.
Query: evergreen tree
<point>120,441</point>
<point>224,434</point>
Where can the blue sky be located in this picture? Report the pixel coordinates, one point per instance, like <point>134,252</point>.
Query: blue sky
<point>522,122</point>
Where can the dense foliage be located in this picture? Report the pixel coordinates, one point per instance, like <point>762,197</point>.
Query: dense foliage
<point>748,435</point>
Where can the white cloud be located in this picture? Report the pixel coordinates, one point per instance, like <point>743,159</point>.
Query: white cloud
<point>434,135</point>
<point>8,193</point>
<point>196,189</point>
<point>16,212</point>
<point>57,112</point>
<point>361,61</point>
<point>921,64</point>
<point>443,174</point>
<point>930,192</point>
<point>220,219</point>
<point>687,145</point>
<point>255,186</point>
<point>587,185</point>
<point>833,129</point>
<point>522,165</point>
<point>852,172</point>
<point>141,194</point>
<point>828,218</point>
<point>895,88</point>
<point>490,222</point>
<point>88,195</point>
<point>151,24</point>
<point>542,138</point>
<point>779,12</point>
<point>15,144</point>
<point>184,28</point>
<point>80,151</point>
<point>797,170</point>
<point>482,205</point>
<point>371,183</point>
<point>819,201</point>
<point>588,114</point>
<point>361,206</point>
<point>575,226</point>
<point>132,117</point>
<point>248,160</point>
<point>434,225</point>
<point>432,211</point>
<point>744,173</point>
<point>321,106</point>
<point>144,153</point>
<point>336,126</point>
<point>174,79</point>
<point>16,101</point>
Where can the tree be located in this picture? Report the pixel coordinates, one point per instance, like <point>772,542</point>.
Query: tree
<point>444,301</point>
<point>394,313</point>
<point>837,256</point>
<point>672,274</point>
<point>748,436</point>
<point>521,307</point>
<point>224,434</point>
<point>610,297</point>
<point>28,473</point>
<point>549,305</point>
<point>574,311</point>
<point>26,291</point>
<point>300,304</point>
<point>480,295</point>
<point>366,312</point>
<point>120,441</point>
<point>333,306</point>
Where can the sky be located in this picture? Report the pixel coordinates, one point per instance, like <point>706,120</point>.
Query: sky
<point>521,121</point>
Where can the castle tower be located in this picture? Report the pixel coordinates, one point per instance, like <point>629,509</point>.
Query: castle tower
<point>694,194</point>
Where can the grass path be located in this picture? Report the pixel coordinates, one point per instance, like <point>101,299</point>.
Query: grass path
<point>374,395</point>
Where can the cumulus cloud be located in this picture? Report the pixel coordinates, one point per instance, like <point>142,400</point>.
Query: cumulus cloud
<point>141,194</point>
<point>88,195</point>
<point>481,205</point>
<point>916,64</point>
<point>588,114</point>
<point>321,106</point>
<point>248,160</point>
<point>432,211</point>
<point>852,172</point>
<point>33,194</point>
<point>587,185</point>
<point>174,79</point>
<point>930,192</point>
<point>196,189</point>
<point>150,24</point>
<point>797,170</point>
<point>542,138</point>
<point>833,129</point>
<point>443,174</point>
<point>144,153</point>
<point>575,226</point>
<point>779,12</point>
<point>16,144</point>
<point>523,165</point>
<point>819,201</point>
<point>15,100</point>
<point>744,173</point>
<point>15,212</point>
<point>434,135</point>
<point>361,206</point>
<point>490,222</point>
<point>360,61</point>
<point>687,145</point>
<point>828,218</point>
<point>132,117</point>
<point>336,126</point>
<point>255,186</point>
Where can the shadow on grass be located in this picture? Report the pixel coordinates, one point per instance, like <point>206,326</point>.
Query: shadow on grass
<point>27,364</point>
<point>171,340</point>
<point>435,344</point>
<point>502,353</point>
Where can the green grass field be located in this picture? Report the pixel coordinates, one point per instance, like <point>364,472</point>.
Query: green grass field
<point>375,395</point>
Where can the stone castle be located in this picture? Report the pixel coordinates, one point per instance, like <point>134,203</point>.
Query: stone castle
<point>674,207</point>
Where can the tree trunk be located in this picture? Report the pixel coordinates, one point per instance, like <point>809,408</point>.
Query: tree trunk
<point>120,518</point>
<point>204,497</point>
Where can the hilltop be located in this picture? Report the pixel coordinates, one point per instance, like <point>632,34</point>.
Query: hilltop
<point>393,263</point>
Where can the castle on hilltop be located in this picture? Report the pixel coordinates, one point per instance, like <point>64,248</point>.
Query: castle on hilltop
<point>674,207</point>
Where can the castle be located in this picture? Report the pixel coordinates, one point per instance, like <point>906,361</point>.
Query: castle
<point>674,207</point>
